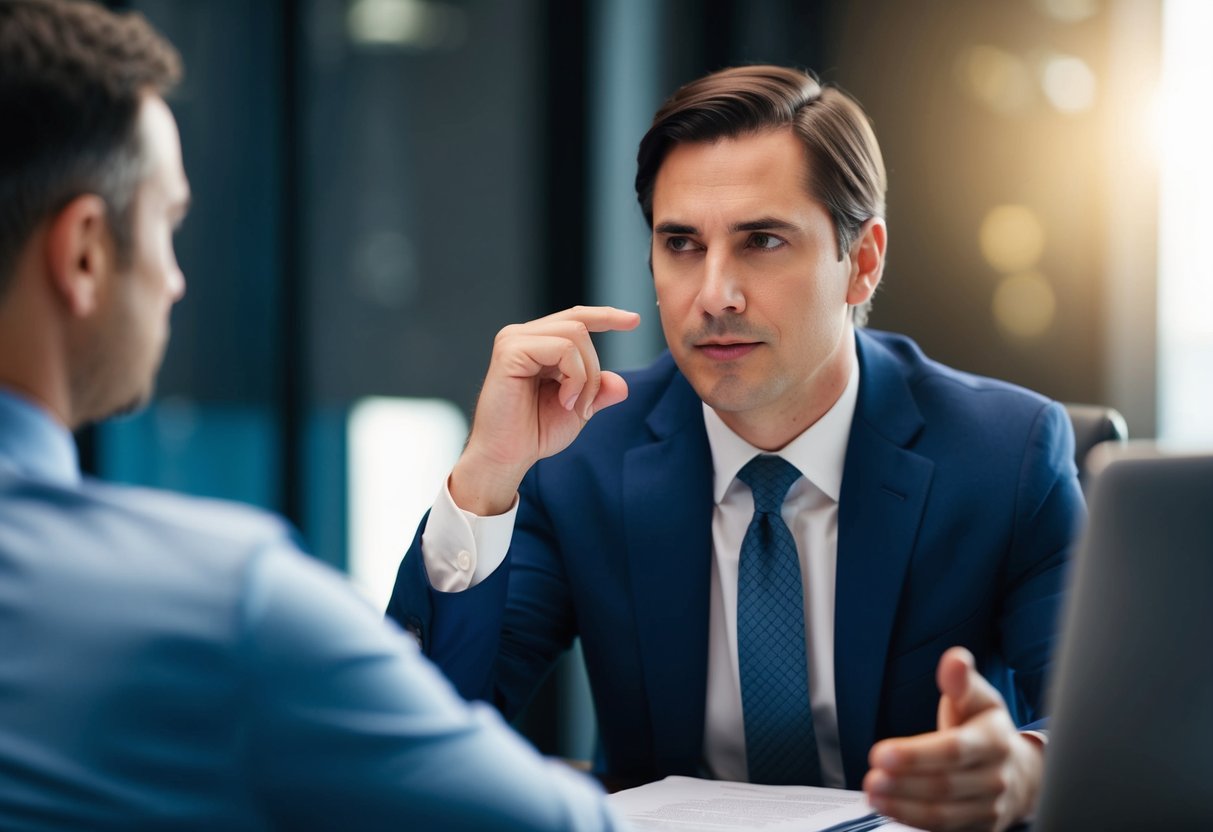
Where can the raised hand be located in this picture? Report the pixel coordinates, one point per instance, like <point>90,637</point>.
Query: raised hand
<point>543,384</point>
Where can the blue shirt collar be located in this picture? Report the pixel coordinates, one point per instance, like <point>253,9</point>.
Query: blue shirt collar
<point>34,444</point>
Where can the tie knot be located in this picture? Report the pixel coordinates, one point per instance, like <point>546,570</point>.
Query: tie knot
<point>769,477</point>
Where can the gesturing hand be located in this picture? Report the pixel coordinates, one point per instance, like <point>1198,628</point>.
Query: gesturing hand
<point>976,772</point>
<point>543,383</point>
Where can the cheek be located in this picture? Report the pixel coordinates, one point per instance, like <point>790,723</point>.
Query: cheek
<point>671,311</point>
<point>672,292</point>
<point>800,310</point>
<point>669,316</point>
<point>162,262</point>
<point>822,289</point>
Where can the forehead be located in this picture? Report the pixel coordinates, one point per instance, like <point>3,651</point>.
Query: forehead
<point>161,149</point>
<point>756,171</point>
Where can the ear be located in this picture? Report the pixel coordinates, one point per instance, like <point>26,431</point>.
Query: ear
<point>79,253</point>
<point>867,261</point>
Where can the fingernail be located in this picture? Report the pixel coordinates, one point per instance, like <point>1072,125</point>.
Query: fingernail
<point>568,403</point>
<point>886,758</point>
<point>589,411</point>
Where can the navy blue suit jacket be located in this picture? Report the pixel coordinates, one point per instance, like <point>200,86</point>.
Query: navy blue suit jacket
<point>958,507</point>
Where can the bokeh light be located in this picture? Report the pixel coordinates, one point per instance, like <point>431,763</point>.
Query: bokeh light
<point>997,78</point>
<point>1068,83</point>
<point>1068,11</point>
<point>1024,305</point>
<point>1012,238</point>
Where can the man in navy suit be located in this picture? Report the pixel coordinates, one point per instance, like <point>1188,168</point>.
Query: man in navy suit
<point>172,663</point>
<point>931,511</point>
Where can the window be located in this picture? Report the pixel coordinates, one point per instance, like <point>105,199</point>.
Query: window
<point>1185,277</point>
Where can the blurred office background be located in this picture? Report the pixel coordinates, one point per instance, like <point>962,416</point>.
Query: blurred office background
<point>380,185</point>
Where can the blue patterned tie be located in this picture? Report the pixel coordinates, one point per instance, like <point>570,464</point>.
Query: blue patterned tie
<point>781,746</point>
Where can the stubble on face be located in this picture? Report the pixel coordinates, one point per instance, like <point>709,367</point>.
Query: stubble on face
<point>116,367</point>
<point>730,388</point>
<point>760,330</point>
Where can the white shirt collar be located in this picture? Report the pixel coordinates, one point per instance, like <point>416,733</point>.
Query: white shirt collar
<point>818,453</point>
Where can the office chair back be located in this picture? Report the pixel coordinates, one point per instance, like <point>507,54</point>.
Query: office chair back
<point>1093,424</point>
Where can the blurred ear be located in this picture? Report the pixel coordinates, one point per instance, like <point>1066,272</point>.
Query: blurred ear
<point>79,253</point>
<point>867,261</point>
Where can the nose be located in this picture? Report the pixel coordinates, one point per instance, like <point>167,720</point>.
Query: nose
<point>721,291</point>
<point>176,285</point>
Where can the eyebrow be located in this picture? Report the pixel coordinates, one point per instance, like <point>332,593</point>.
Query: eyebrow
<point>764,224</point>
<point>760,224</point>
<point>674,228</point>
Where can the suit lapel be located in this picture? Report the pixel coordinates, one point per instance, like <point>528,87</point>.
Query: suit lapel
<point>884,490</point>
<point>667,488</point>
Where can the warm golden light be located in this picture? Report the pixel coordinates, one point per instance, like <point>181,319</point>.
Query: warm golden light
<point>1185,278</point>
<point>997,78</point>
<point>1012,238</point>
<point>1069,83</point>
<point>1068,11</point>
<point>1024,305</point>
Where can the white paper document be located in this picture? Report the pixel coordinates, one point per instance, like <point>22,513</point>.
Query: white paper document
<point>686,804</point>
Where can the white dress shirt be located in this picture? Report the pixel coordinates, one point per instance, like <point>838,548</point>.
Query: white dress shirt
<point>811,511</point>
<point>461,549</point>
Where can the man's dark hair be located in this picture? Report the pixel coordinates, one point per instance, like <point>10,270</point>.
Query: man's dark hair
<point>72,77</point>
<point>846,170</point>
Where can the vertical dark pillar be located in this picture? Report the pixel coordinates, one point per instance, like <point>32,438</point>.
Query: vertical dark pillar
<point>292,397</point>
<point>565,244</point>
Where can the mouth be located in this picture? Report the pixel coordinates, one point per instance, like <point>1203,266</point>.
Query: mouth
<point>727,351</point>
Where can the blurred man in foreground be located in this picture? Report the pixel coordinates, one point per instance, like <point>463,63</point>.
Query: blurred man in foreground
<point>176,663</point>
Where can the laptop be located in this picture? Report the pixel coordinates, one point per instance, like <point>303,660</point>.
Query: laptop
<point>1131,739</point>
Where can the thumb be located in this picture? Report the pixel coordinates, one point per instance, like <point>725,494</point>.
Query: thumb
<point>612,390</point>
<point>964,693</point>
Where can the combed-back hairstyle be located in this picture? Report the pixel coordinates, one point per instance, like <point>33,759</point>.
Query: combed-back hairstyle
<point>846,170</point>
<point>72,77</point>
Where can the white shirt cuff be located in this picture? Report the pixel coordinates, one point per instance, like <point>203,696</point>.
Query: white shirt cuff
<point>461,549</point>
<point>1042,736</point>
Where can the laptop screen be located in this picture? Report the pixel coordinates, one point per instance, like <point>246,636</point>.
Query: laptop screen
<point>1131,739</point>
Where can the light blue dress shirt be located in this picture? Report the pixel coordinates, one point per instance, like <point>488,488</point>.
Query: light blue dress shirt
<point>168,662</point>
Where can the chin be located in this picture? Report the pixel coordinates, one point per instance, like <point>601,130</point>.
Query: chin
<point>133,406</point>
<point>134,403</point>
<point>728,394</point>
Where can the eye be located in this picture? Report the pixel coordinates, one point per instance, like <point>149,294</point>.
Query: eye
<point>679,244</point>
<point>767,242</point>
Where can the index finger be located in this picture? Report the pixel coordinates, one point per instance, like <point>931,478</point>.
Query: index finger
<point>598,318</point>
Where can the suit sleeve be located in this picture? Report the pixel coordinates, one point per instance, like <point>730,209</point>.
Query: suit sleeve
<point>496,640</point>
<point>458,631</point>
<point>1049,513</point>
<point>349,726</point>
